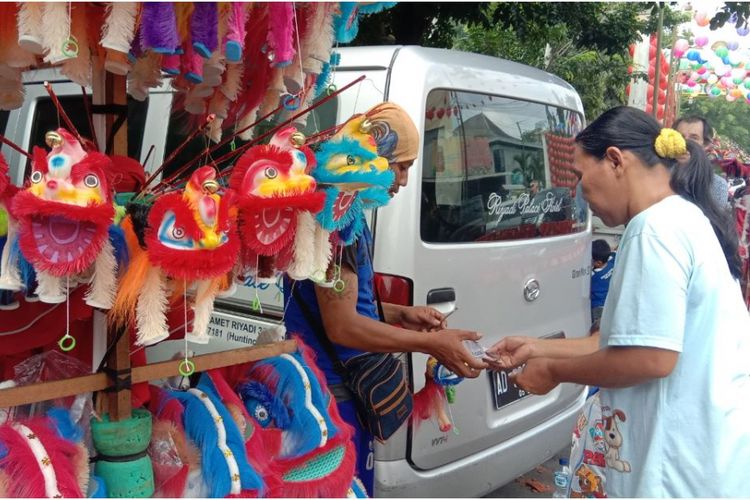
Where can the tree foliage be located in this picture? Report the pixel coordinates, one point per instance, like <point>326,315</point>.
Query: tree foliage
<point>729,119</point>
<point>584,43</point>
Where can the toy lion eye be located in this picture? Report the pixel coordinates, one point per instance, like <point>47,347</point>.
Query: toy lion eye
<point>36,177</point>
<point>91,181</point>
<point>350,160</point>
<point>271,172</point>
<point>178,232</point>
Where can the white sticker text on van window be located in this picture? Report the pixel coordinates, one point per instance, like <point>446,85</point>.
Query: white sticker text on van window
<point>523,205</point>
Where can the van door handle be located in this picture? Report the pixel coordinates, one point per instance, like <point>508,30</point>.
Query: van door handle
<point>441,296</point>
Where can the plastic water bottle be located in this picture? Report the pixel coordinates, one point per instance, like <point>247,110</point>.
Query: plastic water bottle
<point>562,476</point>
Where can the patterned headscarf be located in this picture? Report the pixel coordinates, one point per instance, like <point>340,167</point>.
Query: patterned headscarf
<point>394,132</point>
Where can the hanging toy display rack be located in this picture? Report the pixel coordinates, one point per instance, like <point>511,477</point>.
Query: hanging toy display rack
<point>123,463</point>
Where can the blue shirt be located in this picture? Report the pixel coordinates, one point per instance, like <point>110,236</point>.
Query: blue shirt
<point>358,254</point>
<point>600,282</point>
<point>687,434</point>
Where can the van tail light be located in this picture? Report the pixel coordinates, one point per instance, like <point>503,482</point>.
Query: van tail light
<point>394,289</point>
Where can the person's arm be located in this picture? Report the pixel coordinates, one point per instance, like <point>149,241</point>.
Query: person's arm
<point>511,352</point>
<point>610,367</point>
<point>392,313</point>
<point>345,326</point>
<point>420,318</point>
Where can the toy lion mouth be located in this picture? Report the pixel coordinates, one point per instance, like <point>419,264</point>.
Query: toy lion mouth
<point>61,240</point>
<point>273,223</point>
<point>343,201</point>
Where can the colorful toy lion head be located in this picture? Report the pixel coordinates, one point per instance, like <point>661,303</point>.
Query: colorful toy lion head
<point>276,196</point>
<point>354,178</point>
<point>308,441</point>
<point>66,210</point>
<point>189,239</point>
<point>190,234</point>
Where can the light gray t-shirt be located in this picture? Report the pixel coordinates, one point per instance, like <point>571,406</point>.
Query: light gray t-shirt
<point>688,434</point>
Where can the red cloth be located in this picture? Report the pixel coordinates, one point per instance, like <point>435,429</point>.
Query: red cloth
<point>127,174</point>
<point>36,324</point>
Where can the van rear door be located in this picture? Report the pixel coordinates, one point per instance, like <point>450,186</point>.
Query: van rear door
<point>492,223</point>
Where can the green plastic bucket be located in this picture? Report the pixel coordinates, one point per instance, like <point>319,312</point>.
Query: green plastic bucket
<point>126,437</point>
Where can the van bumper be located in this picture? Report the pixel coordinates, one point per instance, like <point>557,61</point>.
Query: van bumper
<point>485,471</point>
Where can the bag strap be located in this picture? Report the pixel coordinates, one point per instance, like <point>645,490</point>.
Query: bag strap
<point>375,291</point>
<point>317,327</point>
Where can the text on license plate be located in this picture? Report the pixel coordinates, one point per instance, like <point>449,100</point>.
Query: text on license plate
<point>503,390</point>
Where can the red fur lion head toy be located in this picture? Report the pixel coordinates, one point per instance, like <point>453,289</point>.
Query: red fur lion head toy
<point>64,215</point>
<point>277,200</point>
<point>189,240</point>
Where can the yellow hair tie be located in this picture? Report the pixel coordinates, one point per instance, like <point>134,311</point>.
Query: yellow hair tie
<point>670,144</point>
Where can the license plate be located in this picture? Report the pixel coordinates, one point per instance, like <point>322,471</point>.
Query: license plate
<point>504,391</point>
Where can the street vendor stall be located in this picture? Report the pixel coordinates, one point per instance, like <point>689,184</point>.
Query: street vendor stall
<point>103,258</point>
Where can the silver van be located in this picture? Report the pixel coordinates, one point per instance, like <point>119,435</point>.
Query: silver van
<point>491,224</point>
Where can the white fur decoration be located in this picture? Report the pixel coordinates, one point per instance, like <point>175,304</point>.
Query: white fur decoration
<point>12,91</point>
<point>101,293</point>
<point>233,79</point>
<point>303,264</point>
<point>56,22</point>
<point>10,275</point>
<point>30,27</point>
<point>151,319</point>
<point>118,30</point>
<point>50,288</point>
<point>205,295</point>
<point>78,68</point>
<point>246,121</point>
<point>213,68</point>
<point>319,40</point>
<point>42,460</point>
<point>323,251</point>
<point>214,130</point>
<point>218,104</point>
<point>146,74</point>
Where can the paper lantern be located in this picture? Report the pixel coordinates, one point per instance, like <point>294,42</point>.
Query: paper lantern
<point>701,41</point>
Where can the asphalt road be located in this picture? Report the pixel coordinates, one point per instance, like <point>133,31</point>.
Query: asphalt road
<point>537,483</point>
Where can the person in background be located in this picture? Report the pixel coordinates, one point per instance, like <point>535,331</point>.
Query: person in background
<point>350,319</point>
<point>602,263</point>
<point>671,355</point>
<point>696,128</point>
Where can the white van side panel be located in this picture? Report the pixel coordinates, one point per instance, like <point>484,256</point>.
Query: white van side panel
<point>488,278</point>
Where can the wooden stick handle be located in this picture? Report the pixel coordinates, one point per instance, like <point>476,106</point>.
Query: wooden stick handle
<point>44,391</point>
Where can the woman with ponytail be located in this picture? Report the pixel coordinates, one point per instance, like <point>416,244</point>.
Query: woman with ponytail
<point>672,353</point>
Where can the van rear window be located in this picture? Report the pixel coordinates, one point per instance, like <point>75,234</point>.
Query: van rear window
<point>47,118</point>
<point>495,168</point>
